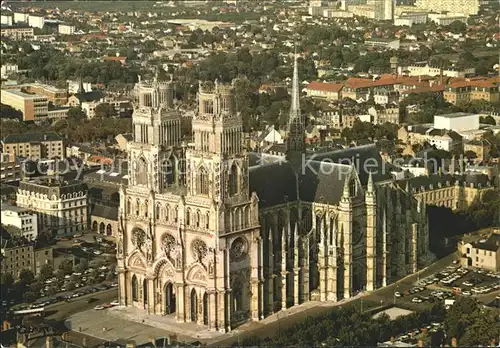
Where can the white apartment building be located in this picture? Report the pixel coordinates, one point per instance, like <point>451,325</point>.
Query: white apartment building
<point>20,17</point>
<point>61,206</point>
<point>6,19</point>
<point>24,219</point>
<point>36,21</point>
<point>66,29</point>
<point>426,69</point>
<point>410,18</point>
<point>8,69</point>
<point>467,7</point>
<point>447,18</point>
<point>383,9</point>
<point>458,121</point>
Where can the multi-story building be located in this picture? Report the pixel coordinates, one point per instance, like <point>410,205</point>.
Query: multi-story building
<point>33,106</point>
<point>23,219</point>
<point>17,32</point>
<point>383,9</point>
<point>35,146</point>
<point>447,18</point>
<point>61,206</point>
<point>8,69</point>
<point>473,89</point>
<point>233,237</point>
<point>467,7</point>
<point>392,44</point>
<point>58,96</point>
<point>21,254</point>
<point>21,17</point>
<point>66,29</point>
<point>458,121</point>
<point>6,19</point>
<point>484,253</point>
<point>426,69</point>
<point>36,21</point>
<point>410,18</point>
<point>331,91</point>
<point>10,168</point>
<point>481,148</point>
<point>456,192</point>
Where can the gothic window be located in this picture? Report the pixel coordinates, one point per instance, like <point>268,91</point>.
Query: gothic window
<point>137,207</point>
<point>198,218</point>
<point>188,217</point>
<point>233,180</point>
<point>357,232</point>
<point>135,289</point>
<point>203,181</point>
<point>246,217</point>
<point>207,221</point>
<point>129,206</point>
<point>146,208</point>
<point>352,188</point>
<point>176,214</point>
<point>167,213</point>
<point>157,212</point>
<point>141,172</point>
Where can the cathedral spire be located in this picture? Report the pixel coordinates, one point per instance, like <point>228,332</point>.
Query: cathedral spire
<point>295,140</point>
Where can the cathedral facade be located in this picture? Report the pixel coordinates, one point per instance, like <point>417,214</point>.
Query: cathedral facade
<point>219,236</point>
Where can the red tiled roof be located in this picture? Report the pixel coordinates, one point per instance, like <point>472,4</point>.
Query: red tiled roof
<point>435,88</point>
<point>323,86</point>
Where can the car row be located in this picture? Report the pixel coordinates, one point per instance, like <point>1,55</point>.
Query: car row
<point>107,305</point>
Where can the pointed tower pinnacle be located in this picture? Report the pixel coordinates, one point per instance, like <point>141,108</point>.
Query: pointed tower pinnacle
<point>369,187</point>
<point>295,140</point>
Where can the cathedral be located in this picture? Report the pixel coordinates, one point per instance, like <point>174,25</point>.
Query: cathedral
<point>219,236</point>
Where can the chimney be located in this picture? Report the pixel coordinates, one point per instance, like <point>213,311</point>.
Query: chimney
<point>453,342</point>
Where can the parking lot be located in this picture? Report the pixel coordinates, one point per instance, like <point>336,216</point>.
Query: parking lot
<point>446,285</point>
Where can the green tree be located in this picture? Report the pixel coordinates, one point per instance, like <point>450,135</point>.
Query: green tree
<point>105,110</point>
<point>26,276</point>
<point>46,272</point>
<point>7,280</point>
<point>29,296</point>
<point>66,266</point>
<point>76,114</point>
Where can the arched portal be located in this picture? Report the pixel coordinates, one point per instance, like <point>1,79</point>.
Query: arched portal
<point>101,228</point>
<point>94,226</point>
<point>109,230</point>
<point>169,299</point>
<point>145,292</point>
<point>194,306</point>
<point>205,308</point>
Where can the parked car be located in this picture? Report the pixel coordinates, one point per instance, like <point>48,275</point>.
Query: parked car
<point>99,308</point>
<point>115,303</point>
